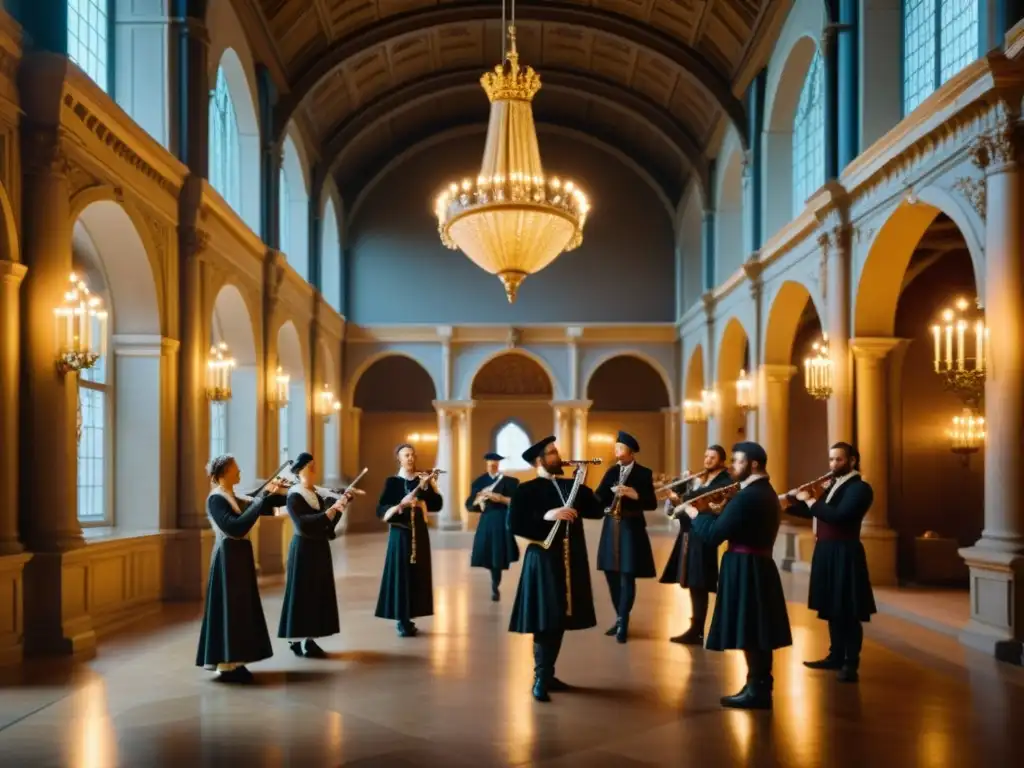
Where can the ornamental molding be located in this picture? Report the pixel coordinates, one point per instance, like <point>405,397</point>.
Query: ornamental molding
<point>974,192</point>
<point>1000,145</point>
<point>44,149</point>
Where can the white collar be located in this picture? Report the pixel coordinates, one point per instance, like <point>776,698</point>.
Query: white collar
<point>838,482</point>
<point>406,475</point>
<point>541,472</point>
<point>494,477</point>
<point>309,495</point>
<point>627,466</point>
<point>752,479</point>
<point>229,496</point>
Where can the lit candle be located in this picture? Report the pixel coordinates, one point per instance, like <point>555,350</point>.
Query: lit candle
<point>979,346</point>
<point>807,373</point>
<point>949,345</point>
<point>960,328</point>
<point>938,348</point>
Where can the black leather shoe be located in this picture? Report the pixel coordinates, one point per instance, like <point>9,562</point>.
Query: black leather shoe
<point>495,595</point>
<point>848,674</point>
<point>829,662</point>
<point>296,648</point>
<point>753,696</point>
<point>554,684</point>
<point>622,635</point>
<point>313,651</point>
<point>540,689</point>
<point>692,636</point>
<point>407,629</point>
<point>613,631</point>
<point>236,675</point>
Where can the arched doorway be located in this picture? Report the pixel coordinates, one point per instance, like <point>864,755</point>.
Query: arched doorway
<point>233,423</point>
<point>292,417</point>
<point>919,265</point>
<point>629,393</point>
<point>119,445</point>
<point>729,424</point>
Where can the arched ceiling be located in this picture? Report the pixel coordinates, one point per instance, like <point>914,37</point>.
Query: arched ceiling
<point>653,77</point>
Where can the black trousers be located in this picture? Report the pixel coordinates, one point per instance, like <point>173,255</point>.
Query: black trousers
<point>846,638</point>
<point>546,646</point>
<point>699,599</point>
<point>622,587</point>
<point>759,666</point>
<point>495,578</point>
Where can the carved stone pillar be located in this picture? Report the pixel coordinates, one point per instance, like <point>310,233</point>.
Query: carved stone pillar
<point>11,275</point>
<point>449,517</point>
<point>563,425</point>
<point>190,96</point>
<point>996,561</point>
<point>670,458</point>
<point>464,477</point>
<point>581,410</point>
<point>873,443</point>
<point>835,259</point>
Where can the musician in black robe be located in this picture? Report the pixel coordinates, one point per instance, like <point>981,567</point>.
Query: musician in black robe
<point>494,546</point>
<point>550,600</point>
<point>624,551</point>
<point>840,589</point>
<point>406,587</point>
<point>693,564</point>
<point>234,630</point>
<point>310,606</point>
<point>750,612</point>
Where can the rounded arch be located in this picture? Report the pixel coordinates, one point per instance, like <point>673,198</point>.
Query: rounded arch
<point>331,216</point>
<point>247,166</point>
<point>643,373</point>
<point>729,246</point>
<point>358,375</point>
<point>784,315</point>
<point>537,366</point>
<point>694,382</point>
<point>510,438</point>
<point>294,206</point>
<point>888,255</point>
<point>327,370</point>
<point>291,352</point>
<point>733,353</point>
<point>233,324</point>
<point>10,249</point>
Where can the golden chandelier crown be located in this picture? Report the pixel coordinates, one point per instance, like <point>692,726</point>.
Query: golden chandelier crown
<point>509,82</point>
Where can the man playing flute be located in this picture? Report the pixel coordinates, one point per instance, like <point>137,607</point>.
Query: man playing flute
<point>494,547</point>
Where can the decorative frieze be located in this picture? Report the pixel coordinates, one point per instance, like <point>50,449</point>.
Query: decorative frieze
<point>973,191</point>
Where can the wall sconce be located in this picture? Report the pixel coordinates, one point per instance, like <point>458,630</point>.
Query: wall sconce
<point>745,393</point>
<point>963,374</point>
<point>710,402</point>
<point>79,344</point>
<point>327,404</point>
<point>818,371</point>
<point>694,412</point>
<point>601,438</point>
<point>421,437</point>
<point>218,373</point>
<point>967,435</point>
<point>278,396</point>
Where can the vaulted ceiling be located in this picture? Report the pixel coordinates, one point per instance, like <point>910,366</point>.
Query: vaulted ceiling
<point>652,78</point>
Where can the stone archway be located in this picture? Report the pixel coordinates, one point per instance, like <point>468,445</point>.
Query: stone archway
<point>730,425</point>
<point>695,433</point>
<point>292,434</point>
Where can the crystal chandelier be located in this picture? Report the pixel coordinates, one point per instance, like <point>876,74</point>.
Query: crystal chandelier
<point>512,220</point>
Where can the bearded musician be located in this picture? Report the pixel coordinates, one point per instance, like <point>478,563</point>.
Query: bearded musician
<point>840,588</point>
<point>693,563</point>
<point>624,552</point>
<point>494,547</point>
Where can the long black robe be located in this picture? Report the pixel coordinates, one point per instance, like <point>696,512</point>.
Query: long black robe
<point>840,585</point>
<point>494,546</point>
<point>541,600</point>
<point>750,612</point>
<point>693,563</point>
<point>234,629</point>
<point>625,546</point>
<point>310,606</point>
<point>406,589</point>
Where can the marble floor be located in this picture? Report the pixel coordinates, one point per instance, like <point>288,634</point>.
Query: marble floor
<point>459,694</point>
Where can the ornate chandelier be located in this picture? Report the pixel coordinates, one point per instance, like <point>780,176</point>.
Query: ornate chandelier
<point>512,221</point>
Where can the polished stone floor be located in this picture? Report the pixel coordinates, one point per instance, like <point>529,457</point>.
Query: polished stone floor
<point>459,695</point>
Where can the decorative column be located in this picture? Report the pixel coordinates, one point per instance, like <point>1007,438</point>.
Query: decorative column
<point>835,261</point>
<point>670,459</point>
<point>464,463</point>
<point>873,443</point>
<point>996,561</point>
<point>573,334</point>
<point>563,424</point>
<point>189,101</point>
<point>579,441</point>
<point>11,275</point>
<point>353,419</point>
<point>444,333</point>
<point>449,518</point>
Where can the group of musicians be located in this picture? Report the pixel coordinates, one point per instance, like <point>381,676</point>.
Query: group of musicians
<point>733,504</point>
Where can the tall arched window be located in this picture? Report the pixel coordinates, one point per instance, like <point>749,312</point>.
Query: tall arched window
<point>330,258</point>
<point>940,38</point>
<point>89,38</point>
<point>225,159</point>
<point>809,137</point>
<point>283,428</point>
<point>293,205</point>
<point>510,441</point>
<point>94,396</point>
<point>284,214</point>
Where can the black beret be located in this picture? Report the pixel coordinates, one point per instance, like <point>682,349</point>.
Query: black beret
<point>753,451</point>
<point>301,461</point>
<point>536,450</point>
<point>628,440</point>
<point>492,456</point>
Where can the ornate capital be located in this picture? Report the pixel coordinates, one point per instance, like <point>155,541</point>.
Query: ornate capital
<point>44,150</point>
<point>12,272</point>
<point>975,192</point>
<point>514,338</point>
<point>999,146</point>
<point>194,242</point>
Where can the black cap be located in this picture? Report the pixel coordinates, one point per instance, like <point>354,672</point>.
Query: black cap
<point>753,451</point>
<point>301,461</point>
<point>535,451</point>
<point>628,440</point>
<point>492,456</point>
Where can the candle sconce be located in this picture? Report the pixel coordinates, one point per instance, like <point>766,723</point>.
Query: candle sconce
<point>218,374</point>
<point>745,398</point>
<point>967,435</point>
<point>80,329</point>
<point>961,355</point>
<point>818,371</point>
<point>694,412</point>
<point>278,395</point>
<point>327,404</point>
<point>711,402</point>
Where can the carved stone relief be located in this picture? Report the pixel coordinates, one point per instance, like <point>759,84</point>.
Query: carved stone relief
<point>511,375</point>
<point>974,192</point>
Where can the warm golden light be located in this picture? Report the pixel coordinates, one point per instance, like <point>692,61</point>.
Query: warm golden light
<point>818,371</point>
<point>745,393</point>
<point>960,353</point>
<point>967,434</point>
<point>694,412</point>
<point>278,396</point>
<point>601,438</point>
<point>511,221</point>
<point>421,437</point>
<point>710,401</point>
<point>80,328</point>
<point>327,404</point>
<point>218,373</point>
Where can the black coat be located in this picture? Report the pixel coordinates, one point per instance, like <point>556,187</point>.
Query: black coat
<point>693,563</point>
<point>310,606</point>
<point>406,589</point>
<point>840,585</point>
<point>234,629</point>
<point>750,612</point>
<point>541,599</point>
<point>494,546</point>
<point>625,546</point>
